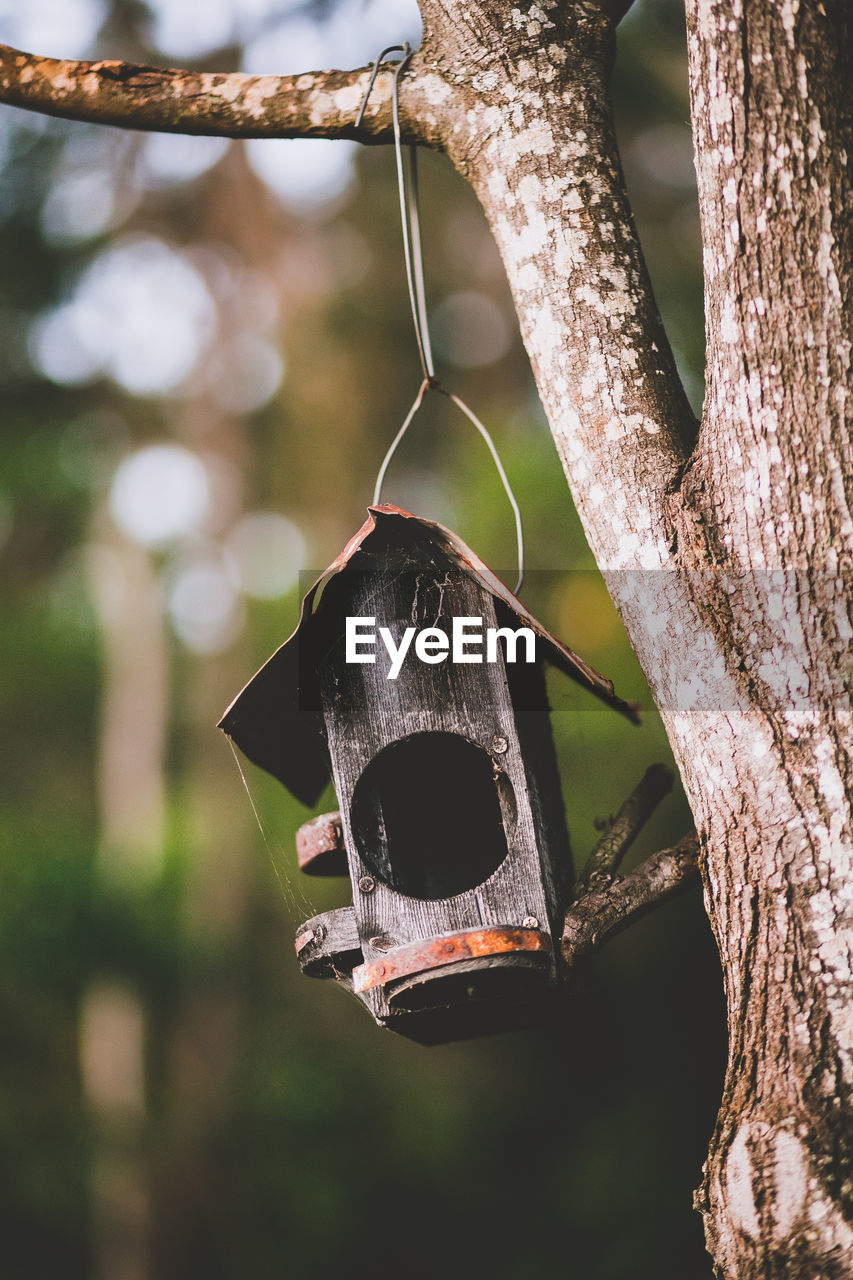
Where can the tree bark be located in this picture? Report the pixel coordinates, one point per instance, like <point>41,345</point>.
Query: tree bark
<point>726,548</point>
<point>771,484</point>
<point>316,104</point>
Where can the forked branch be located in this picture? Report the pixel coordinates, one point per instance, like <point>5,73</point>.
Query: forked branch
<point>629,821</point>
<point>597,915</point>
<point>606,902</point>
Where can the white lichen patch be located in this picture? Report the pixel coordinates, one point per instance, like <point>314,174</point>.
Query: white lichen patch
<point>347,100</point>
<point>259,91</point>
<point>728,329</point>
<point>829,1229</point>
<point>830,781</point>
<point>529,279</point>
<point>578,306</point>
<point>615,304</point>
<point>788,10</point>
<point>791,1179</point>
<point>229,89</point>
<point>545,335</point>
<point>529,190</point>
<point>487,122</point>
<point>486,81</point>
<point>65,82</point>
<point>570,244</point>
<point>534,21</point>
<point>433,88</point>
<point>528,240</point>
<point>322,106</point>
<point>831,919</point>
<point>537,140</point>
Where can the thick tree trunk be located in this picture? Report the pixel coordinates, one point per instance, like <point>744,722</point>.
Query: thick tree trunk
<point>772,484</point>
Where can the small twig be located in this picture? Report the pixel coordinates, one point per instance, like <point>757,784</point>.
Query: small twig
<point>599,914</point>
<point>620,835</point>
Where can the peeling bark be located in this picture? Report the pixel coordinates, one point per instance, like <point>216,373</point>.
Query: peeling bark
<point>727,551</point>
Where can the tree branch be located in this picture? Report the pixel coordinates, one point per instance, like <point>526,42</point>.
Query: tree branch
<point>631,818</point>
<point>317,104</point>
<point>606,903</point>
<point>597,915</point>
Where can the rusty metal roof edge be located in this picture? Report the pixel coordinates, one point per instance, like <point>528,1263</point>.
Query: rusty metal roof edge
<point>557,652</point>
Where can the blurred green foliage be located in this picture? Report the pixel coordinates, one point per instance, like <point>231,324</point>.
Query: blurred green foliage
<point>276,1131</point>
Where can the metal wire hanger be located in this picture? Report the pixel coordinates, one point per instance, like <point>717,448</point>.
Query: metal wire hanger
<point>407,185</point>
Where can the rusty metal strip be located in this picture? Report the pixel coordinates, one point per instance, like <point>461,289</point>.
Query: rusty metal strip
<point>469,944</point>
<point>320,848</point>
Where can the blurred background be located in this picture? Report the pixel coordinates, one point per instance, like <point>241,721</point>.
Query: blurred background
<point>205,352</point>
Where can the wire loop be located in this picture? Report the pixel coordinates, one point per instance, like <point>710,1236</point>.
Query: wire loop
<point>413,255</point>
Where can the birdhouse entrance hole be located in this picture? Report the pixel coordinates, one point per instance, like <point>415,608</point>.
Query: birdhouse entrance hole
<point>427,816</point>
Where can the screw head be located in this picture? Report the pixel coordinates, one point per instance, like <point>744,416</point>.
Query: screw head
<point>499,744</point>
<point>530,922</point>
<point>367,884</point>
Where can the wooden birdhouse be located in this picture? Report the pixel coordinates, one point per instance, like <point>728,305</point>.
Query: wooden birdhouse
<point>415,678</point>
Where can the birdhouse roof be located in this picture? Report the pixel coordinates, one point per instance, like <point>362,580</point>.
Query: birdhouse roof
<point>280,729</point>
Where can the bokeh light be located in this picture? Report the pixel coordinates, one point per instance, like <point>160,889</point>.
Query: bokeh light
<point>56,28</point>
<point>166,158</point>
<point>205,608</point>
<point>112,1043</point>
<point>246,374</point>
<point>265,552</point>
<point>140,314</point>
<point>305,173</point>
<point>79,206</point>
<point>159,494</point>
